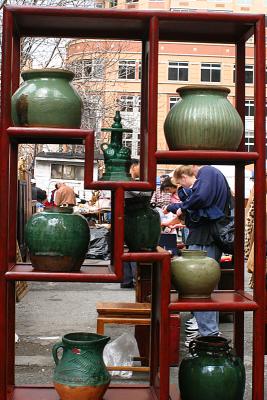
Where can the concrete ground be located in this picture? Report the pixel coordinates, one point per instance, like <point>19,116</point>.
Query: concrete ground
<point>50,310</point>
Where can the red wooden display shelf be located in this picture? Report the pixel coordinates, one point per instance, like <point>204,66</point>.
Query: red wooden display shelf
<point>114,392</point>
<point>112,24</point>
<point>207,156</point>
<point>220,301</point>
<point>48,135</point>
<point>25,272</point>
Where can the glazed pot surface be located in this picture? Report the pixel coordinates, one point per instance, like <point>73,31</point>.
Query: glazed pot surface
<point>194,274</point>
<point>57,239</point>
<point>81,374</point>
<point>211,371</point>
<point>46,98</point>
<point>204,119</point>
<point>142,226</point>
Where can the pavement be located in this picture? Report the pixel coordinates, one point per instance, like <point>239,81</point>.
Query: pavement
<point>51,309</point>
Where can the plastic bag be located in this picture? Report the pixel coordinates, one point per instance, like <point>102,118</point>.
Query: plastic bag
<point>121,352</point>
<point>99,246</point>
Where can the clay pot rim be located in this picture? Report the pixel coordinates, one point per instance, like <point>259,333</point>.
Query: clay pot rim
<point>197,253</point>
<point>59,210</point>
<point>213,341</point>
<point>203,87</point>
<point>50,71</point>
<point>95,338</point>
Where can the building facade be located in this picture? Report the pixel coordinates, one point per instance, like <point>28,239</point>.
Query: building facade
<point>108,73</point>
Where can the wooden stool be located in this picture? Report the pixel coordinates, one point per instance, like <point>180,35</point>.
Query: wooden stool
<point>127,314</point>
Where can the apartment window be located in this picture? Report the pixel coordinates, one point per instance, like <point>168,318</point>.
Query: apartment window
<point>178,71</point>
<point>67,172</point>
<point>249,141</point>
<point>93,69</point>
<point>127,103</point>
<point>173,100</point>
<point>127,69</point>
<point>249,108</point>
<point>210,72</point>
<point>249,74</point>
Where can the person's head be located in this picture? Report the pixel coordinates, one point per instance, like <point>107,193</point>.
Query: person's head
<point>135,169</point>
<point>167,186</point>
<point>184,175</point>
<point>41,195</point>
<point>57,186</point>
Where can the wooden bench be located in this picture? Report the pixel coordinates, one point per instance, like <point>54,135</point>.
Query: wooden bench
<point>126,314</point>
<point>137,314</point>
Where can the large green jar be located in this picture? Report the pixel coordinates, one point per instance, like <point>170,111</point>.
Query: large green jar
<point>57,239</point>
<point>211,371</point>
<point>142,225</point>
<point>194,274</point>
<point>80,374</point>
<point>204,119</point>
<point>47,99</point>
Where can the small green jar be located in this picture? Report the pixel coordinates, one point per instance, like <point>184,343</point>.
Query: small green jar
<point>142,225</point>
<point>194,274</point>
<point>80,374</point>
<point>47,99</point>
<point>211,371</point>
<point>57,239</point>
<point>204,119</point>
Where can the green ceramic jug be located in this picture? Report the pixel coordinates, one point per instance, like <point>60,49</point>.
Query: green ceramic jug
<point>46,98</point>
<point>58,239</point>
<point>142,225</point>
<point>194,274</point>
<point>80,374</point>
<point>204,119</point>
<point>211,371</point>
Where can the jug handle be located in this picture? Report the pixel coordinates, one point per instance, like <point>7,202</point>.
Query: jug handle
<point>54,351</point>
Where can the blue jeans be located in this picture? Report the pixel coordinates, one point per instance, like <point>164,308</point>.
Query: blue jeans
<point>129,272</point>
<point>207,320</point>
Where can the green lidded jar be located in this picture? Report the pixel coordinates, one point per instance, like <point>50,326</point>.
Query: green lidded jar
<point>211,371</point>
<point>193,274</point>
<point>58,239</point>
<point>47,99</point>
<point>142,225</point>
<point>204,119</point>
<point>80,374</point>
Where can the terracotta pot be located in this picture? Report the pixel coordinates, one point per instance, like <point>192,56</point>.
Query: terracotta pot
<point>46,98</point>
<point>57,239</point>
<point>194,274</point>
<point>81,374</point>
<point>204,119</point>
<point>211,371</point>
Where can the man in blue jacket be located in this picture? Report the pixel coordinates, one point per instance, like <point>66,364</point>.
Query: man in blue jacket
<point>206,204</point>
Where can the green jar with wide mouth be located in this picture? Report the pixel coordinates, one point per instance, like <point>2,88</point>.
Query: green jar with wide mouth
<point>57,239</point>
<point>203,119</point>
<point>46,98</point>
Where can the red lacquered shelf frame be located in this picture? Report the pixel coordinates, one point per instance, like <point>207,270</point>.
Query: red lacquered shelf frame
<point>114,392</point>
<point>222,300</point>
<point>149,27</point>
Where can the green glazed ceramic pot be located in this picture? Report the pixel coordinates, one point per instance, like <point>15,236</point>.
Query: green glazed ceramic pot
<point>80,374</point>
<point>46,98</point>
<point>194,274</point>
<point>211,371</point>
<point>142,225</point>
<point>204,119</point>
<point>57,239</point>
